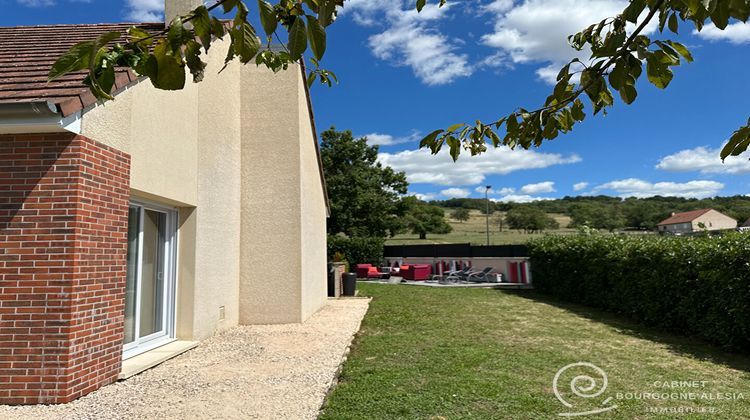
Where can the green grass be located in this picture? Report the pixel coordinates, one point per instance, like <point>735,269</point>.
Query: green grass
<point>428,353</point>
<point>474,231</point>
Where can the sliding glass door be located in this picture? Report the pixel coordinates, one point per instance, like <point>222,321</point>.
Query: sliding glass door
<point>150,285</point>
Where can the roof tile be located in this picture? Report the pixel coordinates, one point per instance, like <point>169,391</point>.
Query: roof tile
<point>28,52</point>
<point>684,217</point>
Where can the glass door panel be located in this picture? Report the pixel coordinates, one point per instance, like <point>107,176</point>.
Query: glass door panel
<point>149,290</point>
<point>152,273</point>
<point>131,282</point>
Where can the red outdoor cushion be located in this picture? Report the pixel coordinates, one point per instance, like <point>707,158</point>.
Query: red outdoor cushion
<point>363,269</point>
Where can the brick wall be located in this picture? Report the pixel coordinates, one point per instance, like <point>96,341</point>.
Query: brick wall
<point>63,245</point>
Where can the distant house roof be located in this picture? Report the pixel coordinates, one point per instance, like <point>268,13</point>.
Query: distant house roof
<point>684,217</point>
<point>28,52</point>
<point>746,224</point>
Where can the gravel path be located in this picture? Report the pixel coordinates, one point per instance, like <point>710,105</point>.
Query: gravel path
<point>249,372</point>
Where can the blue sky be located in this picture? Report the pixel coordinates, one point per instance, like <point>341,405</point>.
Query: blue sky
<point>403,75</point>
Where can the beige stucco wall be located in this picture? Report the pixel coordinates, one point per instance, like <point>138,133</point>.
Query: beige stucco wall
<point>282,201</point>
<point>243,170</point>
<point>313,215</point>
<point>185,151</point>
<point>269,286</point>
<point>714,220</point>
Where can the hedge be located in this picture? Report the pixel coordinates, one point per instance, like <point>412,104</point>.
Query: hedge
<point>356,250</point>
<point>695,285</point>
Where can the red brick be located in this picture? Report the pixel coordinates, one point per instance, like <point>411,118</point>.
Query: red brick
<point>63,225</point>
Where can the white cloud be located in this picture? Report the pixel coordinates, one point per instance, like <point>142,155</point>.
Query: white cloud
<point>424,197</point>
<point>514,198</point>
<point>410,39</point>
<point>539,188</point>
<point>633,187</point>
<point>36,3</point>
<point>736,33</point>
<point>388,140</point>
<point>455,192</point>
<point>536,31</point>
<point>422,167</point>
<point>705,160</point>
<point>145,10</point>
<point>580,186</point>
<point>502,191</point>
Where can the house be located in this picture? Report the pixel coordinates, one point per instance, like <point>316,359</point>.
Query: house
<point>745,226</point>
<point>696,221</point>
<point>149,222</point>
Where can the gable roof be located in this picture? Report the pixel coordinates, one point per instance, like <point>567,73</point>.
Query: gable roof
<point>28,52</point>
<point>684,217</point>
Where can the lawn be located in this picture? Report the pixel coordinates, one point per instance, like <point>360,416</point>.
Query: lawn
<point>428,353</point>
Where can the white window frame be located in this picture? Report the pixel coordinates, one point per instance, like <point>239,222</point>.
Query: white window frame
<point>167,333</point>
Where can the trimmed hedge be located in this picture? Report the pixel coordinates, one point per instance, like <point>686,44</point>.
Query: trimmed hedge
<point>695,285</point>
<point>356,250</point>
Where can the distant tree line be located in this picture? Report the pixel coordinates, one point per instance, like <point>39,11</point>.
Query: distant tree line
<point>610,213</point>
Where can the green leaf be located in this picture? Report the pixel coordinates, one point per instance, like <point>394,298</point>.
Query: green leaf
<point>217,28</point>
<point>297,39</point>
<point>170,68</point>
<point>737,144</point>
<point>202,25</point>
<point>147,66</point>
<point>682,50</point>
<point>106,81</point>
<point>229,5</point>
<point>176,30</point>
<point>720,16</point>
<point>311,79</point>
<point>455,127</point>
<point>267,17</point>
<point>658,73</point>
<point>673,23</point>
<point>455,147</point>
<point>326,12</point>
<point>317,37</point>
<point>75,59</point>
<point>628,93</point>
<point>140,36</point>
<point>617,75</point>
<point>194,63</point>
<point>634,9</point>
<point>245,42</point>
<point>430,138</point>
<point>420,5</point>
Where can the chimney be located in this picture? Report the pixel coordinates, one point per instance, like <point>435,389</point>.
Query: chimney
<point>174,8</point>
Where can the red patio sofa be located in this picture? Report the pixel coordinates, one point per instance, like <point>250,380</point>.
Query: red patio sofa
<point>417,272</point>
<point>367,271</point>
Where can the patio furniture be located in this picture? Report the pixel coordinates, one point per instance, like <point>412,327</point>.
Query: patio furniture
<point>367,271</point>
<point>456,275</point>
<point>417,272</point>
<point>480,277</point>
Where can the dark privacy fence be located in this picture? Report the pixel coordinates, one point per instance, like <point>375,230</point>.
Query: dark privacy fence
<point>455,250</point>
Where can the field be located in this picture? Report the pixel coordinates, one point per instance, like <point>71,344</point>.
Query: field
<point>427,353</point>
<point>474,231</point>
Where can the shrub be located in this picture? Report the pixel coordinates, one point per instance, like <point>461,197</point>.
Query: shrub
<point>697,285</point>
<point>356,250</point>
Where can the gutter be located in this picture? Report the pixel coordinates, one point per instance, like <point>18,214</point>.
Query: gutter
<point>36,117</point>
<point>27,110</point>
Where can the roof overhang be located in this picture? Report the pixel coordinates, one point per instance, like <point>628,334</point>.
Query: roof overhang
<point>36,117</point>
